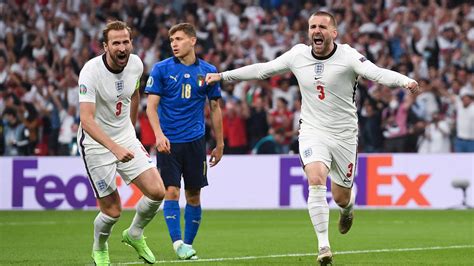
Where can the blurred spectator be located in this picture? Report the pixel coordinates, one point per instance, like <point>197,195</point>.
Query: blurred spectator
<point>281,118</point>
<point>235,135</point>
<point>68,126</point>
<point>465,121</point>
<point>3,72</point>
<point>271,144</point>
<point>256,124</point>
<point>52,120</point>
<point>30,119</point>
<point>15,134</point>
<point>436,136</point>
<point>294,145</point>
<point>394,121</point>
<point>285,91</point>
<point>372,134</point>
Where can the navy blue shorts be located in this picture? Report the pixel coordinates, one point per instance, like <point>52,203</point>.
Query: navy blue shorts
<point>187,160</point>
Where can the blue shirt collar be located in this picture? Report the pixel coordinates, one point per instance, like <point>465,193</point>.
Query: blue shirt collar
<point>176,60</point>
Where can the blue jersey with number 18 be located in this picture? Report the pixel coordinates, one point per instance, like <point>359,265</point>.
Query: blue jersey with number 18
<point>183,92</point>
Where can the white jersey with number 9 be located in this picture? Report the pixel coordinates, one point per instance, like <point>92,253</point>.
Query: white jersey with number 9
<point>111,92</point>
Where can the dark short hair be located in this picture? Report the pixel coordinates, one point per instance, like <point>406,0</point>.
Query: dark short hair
<point>115,25</point>
<point>10,111</point>
<point>283,100</point>
<point>327,14</point>
<point>187,28</point>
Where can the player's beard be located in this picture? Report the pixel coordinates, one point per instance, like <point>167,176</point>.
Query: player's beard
<point>323,48</point>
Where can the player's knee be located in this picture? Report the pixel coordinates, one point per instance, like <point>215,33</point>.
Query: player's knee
<point>316,181</point>
<point>193,197</point>
<point>195,201</point>
<point>172,193</point>
<point>157,194</point>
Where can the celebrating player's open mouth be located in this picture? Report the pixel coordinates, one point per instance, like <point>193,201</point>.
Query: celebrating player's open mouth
<point>122,59</point>
<point>318,42</point>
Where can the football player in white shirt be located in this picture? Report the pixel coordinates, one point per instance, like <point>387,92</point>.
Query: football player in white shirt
<point>108,103</point>
<point>327,74</point>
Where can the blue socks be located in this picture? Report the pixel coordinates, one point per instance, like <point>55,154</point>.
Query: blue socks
<point>171,212</point>
<point>192,220</point>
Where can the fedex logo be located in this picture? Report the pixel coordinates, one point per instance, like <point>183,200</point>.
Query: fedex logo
<point>50,191</point>
<point>374,188</point>
<point>369,171</point>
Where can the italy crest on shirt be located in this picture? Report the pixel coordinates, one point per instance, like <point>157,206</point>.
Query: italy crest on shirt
<point>200,80</point>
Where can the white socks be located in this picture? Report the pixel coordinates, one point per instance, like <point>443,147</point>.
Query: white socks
<point>319,213</point>
<point>102,227</point>
<point>146,210</point>
<point>350,205</point>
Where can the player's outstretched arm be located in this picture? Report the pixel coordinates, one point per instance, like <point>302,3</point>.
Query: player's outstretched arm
<point>277,66</point>
<point>87,111</point>
<point>161,141</point>
<point>216,118</point>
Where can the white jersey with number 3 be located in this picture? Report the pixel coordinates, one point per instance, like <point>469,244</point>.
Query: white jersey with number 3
<point>327,86</point>
<point>111,92</point>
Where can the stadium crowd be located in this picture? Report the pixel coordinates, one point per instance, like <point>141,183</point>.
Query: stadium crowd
<point>44,44</point>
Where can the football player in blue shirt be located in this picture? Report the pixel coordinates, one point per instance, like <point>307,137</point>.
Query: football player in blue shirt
<point>176,99</point>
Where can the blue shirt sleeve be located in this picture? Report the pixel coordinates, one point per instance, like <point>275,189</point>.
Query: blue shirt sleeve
<point>154,84</point>
<point>214,91</point>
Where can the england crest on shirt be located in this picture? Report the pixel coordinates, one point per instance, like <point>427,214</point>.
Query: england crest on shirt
<point>101,185</point>
<point>119,86</point>
<point>319,69</point>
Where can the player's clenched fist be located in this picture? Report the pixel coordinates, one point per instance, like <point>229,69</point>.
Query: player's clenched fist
<point>123,155</point>
<point>212,78</point>
<point>413,87</point>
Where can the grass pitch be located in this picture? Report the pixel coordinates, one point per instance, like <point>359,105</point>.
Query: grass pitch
<point>262,237</point>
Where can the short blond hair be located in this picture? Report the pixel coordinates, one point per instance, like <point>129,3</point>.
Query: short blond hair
<point>327,14</point>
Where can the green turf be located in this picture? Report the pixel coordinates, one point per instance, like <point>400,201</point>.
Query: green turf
<point>65,238</point>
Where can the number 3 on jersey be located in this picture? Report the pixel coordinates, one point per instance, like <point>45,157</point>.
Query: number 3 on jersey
<point>320,89</point>
<point>350,169</point>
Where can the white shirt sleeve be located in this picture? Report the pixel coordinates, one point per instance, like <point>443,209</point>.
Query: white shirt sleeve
<point>87,87</point>
<point>369,70</point>
<point>279,65</point>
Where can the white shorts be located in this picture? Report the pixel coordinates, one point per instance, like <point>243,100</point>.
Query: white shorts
<point>102,168</point>
<point>339,157</point>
